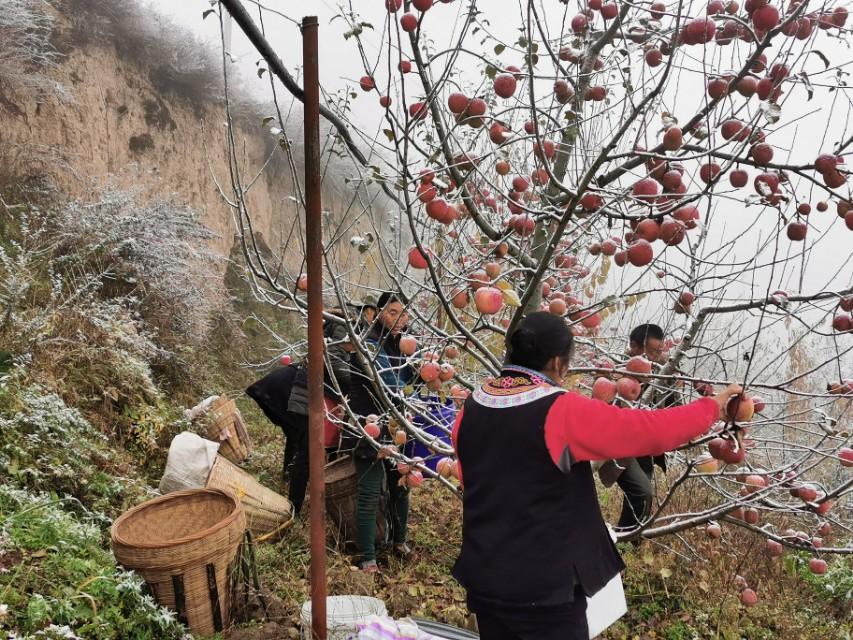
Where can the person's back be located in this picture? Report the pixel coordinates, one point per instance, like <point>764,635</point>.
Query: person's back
<point>507,467</point>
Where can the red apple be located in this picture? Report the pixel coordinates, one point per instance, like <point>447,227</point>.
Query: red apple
<point>505,85</point>
<point>672,139</point>
<point>604,389</point>
<point>796,231</point>
<point>845,456</point>
<point>748,597</point>
<point>638,364</point>
<point>738,178</point>
<point>429,371</point>
<point>457,102</point>
<point>842,323</point>
<point>417,260</point>
<point>488,300</point>
<point>557,307</point>
<point>372,429</point>
<point>774,549</point>
<point>817,566</point>
<point>408,345</point>
<point>628,388</point>
<point>444,467</point>
<point>446,371</point>
<point>755,483</point>
<point>286,360</point>
<point>713,530</point>
<point>740,409</point>
<point>640,253</point>
<point>408,22</point>
<point>807,493</point>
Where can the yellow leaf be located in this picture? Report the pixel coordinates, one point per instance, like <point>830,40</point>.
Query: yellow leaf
<point>665,572</point>
<point>511,298</point>
<point>704,586</point>
<point>649,559</point>
<point>503,285</point>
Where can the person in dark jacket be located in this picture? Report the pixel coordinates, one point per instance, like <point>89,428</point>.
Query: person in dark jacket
<point>283,396</point>
<point>534,543</point>
<point>637,477</point>
<point>272,393</point>
<point>336,378</point>
<point>383,343</point>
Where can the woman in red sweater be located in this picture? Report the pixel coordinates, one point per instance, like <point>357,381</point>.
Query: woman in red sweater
<point>534,543</point>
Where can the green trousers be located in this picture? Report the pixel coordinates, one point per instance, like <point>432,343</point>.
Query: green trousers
<point>370,474</point>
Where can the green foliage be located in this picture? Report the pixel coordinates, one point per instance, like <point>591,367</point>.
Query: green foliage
<point>835,585</point>
<point>60,582</point>
<point>47,447</point>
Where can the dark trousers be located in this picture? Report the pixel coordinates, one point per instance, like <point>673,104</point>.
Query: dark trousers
<point>636,483</point>
<point>370,475</point>
<point>298,471</point>
<point>288,430</point>
<point>545,623</point>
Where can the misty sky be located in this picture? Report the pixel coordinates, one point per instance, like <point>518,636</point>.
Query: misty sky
<point>827,264</point>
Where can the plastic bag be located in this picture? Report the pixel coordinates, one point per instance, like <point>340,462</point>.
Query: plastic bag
<point>190,459</point>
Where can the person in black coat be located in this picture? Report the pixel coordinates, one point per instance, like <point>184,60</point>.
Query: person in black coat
<point>283,397</point>
<point>272,393</point>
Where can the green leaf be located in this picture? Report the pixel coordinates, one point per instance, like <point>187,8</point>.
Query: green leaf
<point>267,120</point>
<point>499,49</point>
<point>389,134</point>
<point>491,72</point>
<point>261,72</point>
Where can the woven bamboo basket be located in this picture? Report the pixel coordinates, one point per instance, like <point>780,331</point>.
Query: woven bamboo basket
<point>225,426</point>
<point>267,512</point>
<point>182,545</point>
<point>342,501</point>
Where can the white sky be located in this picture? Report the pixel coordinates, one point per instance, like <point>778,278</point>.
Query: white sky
<point>828,262</point>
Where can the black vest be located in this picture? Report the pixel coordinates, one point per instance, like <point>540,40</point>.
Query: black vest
<point>530,532</point>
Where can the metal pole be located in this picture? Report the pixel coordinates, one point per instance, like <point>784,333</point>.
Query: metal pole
<point>314,248</point>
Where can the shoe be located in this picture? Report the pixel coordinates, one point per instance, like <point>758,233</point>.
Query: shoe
<point>369,566</point>
<point>402,550</point>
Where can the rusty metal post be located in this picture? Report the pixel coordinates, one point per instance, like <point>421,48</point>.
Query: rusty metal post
<point>314,249</point>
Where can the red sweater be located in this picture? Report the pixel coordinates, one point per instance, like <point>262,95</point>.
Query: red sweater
<point>593,430</point>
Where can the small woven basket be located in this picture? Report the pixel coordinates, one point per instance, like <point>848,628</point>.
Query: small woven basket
<point>182,545</point>
<point>225,426</point>
<point>267,512</point>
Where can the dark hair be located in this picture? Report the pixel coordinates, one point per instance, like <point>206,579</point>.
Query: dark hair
<point>391,296</point>
<point>640,334</point>
<point>539,337</point>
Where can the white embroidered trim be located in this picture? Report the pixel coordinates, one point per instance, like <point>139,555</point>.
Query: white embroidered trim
<point>514,400</point>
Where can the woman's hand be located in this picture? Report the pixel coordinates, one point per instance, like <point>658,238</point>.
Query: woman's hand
<point>722,398</point>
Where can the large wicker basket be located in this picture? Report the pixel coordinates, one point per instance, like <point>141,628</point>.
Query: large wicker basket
<point>267,512</point>
<point>225,426</point>
<point>182,545</point>
<point>342,501</point>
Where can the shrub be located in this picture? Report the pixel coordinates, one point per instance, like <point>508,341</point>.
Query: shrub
<point>46,446</point>
<point>60,582</point>
<point>26,28</point>
<point>100,299</point>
